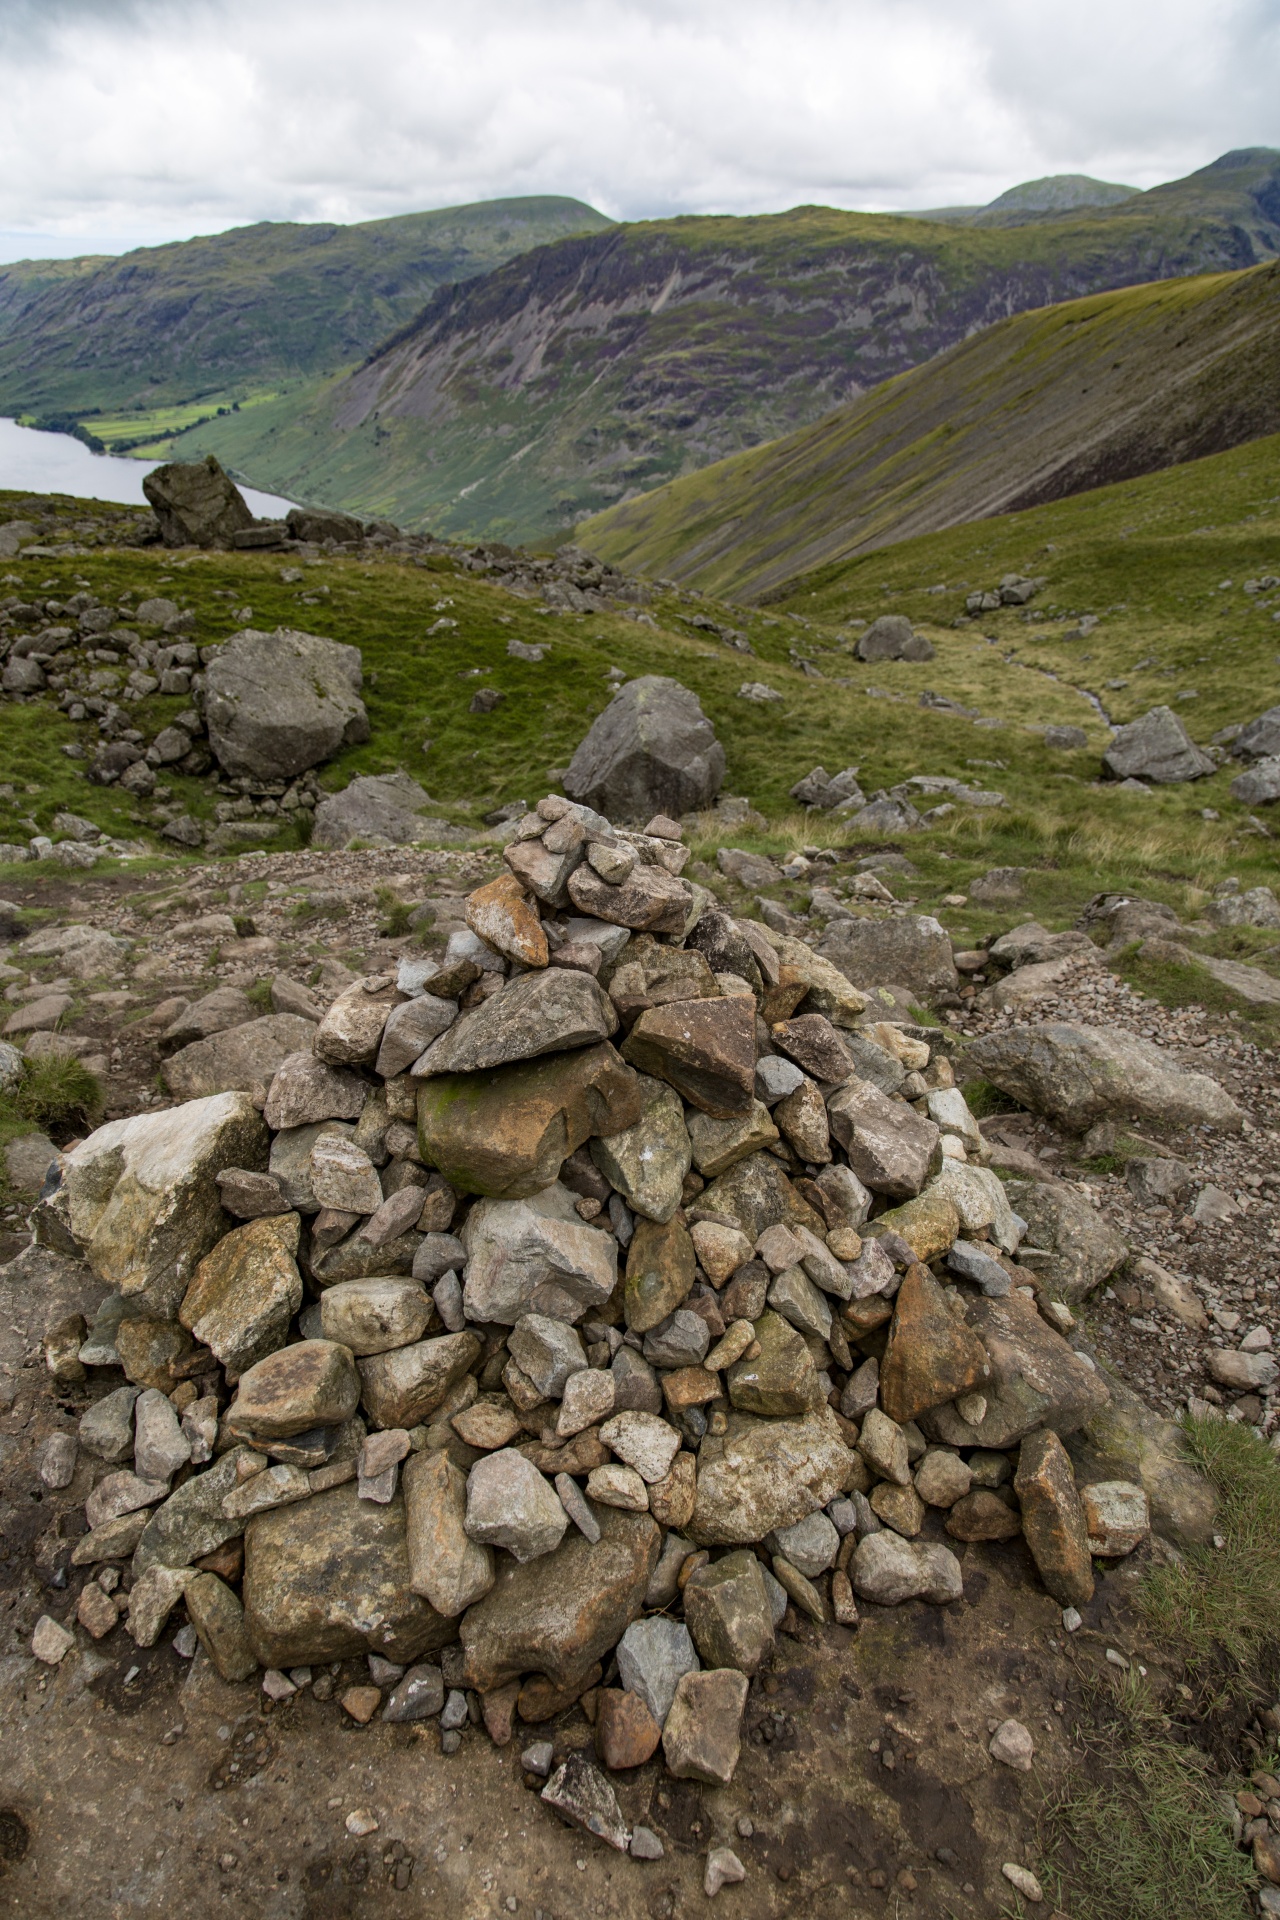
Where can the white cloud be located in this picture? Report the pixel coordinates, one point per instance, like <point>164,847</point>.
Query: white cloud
<point>159,118</point>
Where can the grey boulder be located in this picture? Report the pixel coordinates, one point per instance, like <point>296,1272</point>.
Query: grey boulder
<point>914,952</point>
<point>196,503</point>
<point>1085,1247</point>
<point>385,808</point>
<point>1077,1075</point>
<point>278,703</point>
<point>652,750</point>
<point>1156,747</point>
<point>892,637</point>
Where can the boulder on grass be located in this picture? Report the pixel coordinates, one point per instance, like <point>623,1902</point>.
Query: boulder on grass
<point>652,750</point>
<point>1156,747</point>
<point>377,807</point>
<point>278,703</point>
<point>196,503</point>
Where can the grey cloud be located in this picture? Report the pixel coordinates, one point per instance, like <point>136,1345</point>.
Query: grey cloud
<point>163,118</point>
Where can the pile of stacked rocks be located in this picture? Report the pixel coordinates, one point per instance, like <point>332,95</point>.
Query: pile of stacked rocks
<point>581,1298</point>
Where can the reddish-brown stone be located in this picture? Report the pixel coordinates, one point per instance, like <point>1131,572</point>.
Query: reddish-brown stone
<point>705,1049</point>
<point>932,1355</point>
<point>626,1732</point>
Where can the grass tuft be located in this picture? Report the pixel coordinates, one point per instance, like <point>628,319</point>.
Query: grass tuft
<point>1220,1603</point>
<point>1147,1838</point>
<point>54,1095</point>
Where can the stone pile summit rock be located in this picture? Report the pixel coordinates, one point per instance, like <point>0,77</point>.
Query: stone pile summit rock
<point>616,1298</point>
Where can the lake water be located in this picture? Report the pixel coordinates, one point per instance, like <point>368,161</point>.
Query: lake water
<point>34,462</point>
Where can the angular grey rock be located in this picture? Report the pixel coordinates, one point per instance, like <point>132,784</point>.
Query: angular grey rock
<point>647,1163</point>
<point>343,1177</point>
<point>1086,1248</point>
<point>410,1030</point>
<point>652,750</point>
<point>106,1429</point>
<point>913,952</point>
<point>811,1544</point>
<point>653,1655</point>
<point>328,1578</point>
<point>1156,747</point>
<point>160,1446</point>
<point>381,809</point>
<point>681,1340</point>
<point>547,1011</point>
<point>375,1315</point>
<point>1260,785</point>
<point>888,1569</point>
<point>237,1060</point>
<point>547,1350</point>
<point>636,1386</point>
<point>969,1261</point>
<point>510,1504</point>
<point>776,1078</point>
<point>191,1522</point>
<point>794,1296</point>
<point>196,503</point>
<point>304,1090</point>
<point>890,1146</point>
<point>730,1612</point>
<point>139,1198</point>
<point>290,1161</point>
<point>1260,739</point>
<point>1079,1074</point>
<point>766,1473</point>
<point>578,1508</point>
<point>278,703</point>
<point>213,1013</point>
<point>701,1739</point>
<point>892,637</point>
<point>419,1696</point>
<point>535,1256</point>
<point>583,1797</point>
<point>1065,739</point>
<point>1036,1380</point>
<point>561,1614</point>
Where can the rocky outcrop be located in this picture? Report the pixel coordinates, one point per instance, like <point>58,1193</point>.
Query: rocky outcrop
<point>196,503</point>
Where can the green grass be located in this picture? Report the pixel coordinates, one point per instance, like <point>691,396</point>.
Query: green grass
<point>1217,1608</point>
<point>57,1097</point>
<point>1139,1832</point>
<point>1175,984</point>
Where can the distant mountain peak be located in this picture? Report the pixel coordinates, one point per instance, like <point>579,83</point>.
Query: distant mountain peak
<point>1059,193</point>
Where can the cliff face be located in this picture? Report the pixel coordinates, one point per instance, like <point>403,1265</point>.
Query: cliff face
<point>1043,405</point>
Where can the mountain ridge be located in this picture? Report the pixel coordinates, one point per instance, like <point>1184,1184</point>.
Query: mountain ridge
<point>594,369</point>
<point>999,424</point>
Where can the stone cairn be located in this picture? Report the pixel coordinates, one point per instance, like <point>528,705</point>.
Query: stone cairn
<point>585,1297</point>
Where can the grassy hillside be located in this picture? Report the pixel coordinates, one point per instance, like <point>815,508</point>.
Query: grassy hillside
<point>589,371</point>
<point>1149,558</point>
<point>233,313</point>
<point>1039,406</point>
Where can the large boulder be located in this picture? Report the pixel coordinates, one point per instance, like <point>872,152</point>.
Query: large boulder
<point>323,523</point>
<point>1036,1380</point>
<point>139,1201</point>
<point>763,1474</point>
<point>278,703</point>
<point>1260,740</point>
<point>1077,1075</point>
<point>913,952</point>
<point>383,807</point>
<point>651,751</point>
<point>892,637</point>
<point>1156,747</point>
<point>196,503</point>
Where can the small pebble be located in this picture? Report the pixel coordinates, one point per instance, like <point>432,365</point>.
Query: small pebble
<point>277,1685</point>
<point>450,1741</point>
<point>1072,1619</point>
<point>361,1821</point>
<point>537,1758</point>
<point>645,1845</point>
<point>724,1869</point>
<point>1023,1881</point>
<point>185,1642</point>
<point>455,1711</point>
<point>1115,1659</point>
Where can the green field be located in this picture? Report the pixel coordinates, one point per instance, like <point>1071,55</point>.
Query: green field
<point>1149,558</point>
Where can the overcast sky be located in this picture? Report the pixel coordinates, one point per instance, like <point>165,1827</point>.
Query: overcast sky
<point>127,122</point>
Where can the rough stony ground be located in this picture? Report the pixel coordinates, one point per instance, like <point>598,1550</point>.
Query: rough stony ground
<point>135,1781</point>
